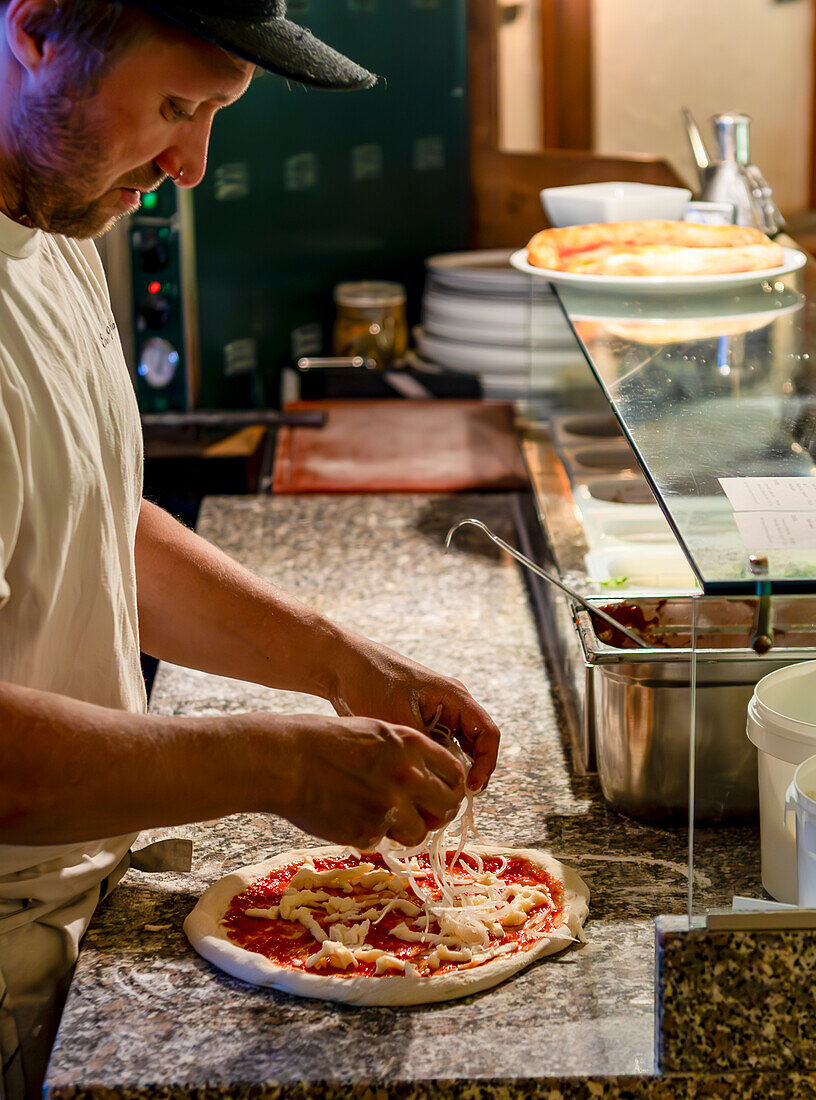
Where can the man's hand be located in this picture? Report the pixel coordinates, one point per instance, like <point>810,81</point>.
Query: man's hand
<point>379,683</point>
<point>356,780</point>
<point>82,771</point>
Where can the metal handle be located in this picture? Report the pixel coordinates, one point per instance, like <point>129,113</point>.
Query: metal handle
<point>356,361</point>
<point>511,550</point>
<point>203,418</point>
<point>698,145</point>
<point>762,639</point>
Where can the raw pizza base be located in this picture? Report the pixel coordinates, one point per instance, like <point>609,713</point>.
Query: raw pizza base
<point>207,936</point>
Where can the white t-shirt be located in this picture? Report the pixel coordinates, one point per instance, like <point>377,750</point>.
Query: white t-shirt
<point>70,491</point>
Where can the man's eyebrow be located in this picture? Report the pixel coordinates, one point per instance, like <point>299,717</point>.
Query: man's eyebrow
<point>218,97</point>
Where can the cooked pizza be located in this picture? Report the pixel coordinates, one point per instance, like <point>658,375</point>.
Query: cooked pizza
<point>382,929</point>
<point>647,248</point>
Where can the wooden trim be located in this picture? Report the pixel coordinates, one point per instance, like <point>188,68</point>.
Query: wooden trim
<point>566,69</point>
<point>483,73</point>
<point>575,87</point>
<point>551,69</point>
<point>813,111</point>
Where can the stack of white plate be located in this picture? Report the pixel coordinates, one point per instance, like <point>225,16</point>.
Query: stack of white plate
<point>482,317</point>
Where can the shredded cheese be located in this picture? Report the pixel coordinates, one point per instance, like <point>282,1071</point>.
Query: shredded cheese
<point>335,954</point>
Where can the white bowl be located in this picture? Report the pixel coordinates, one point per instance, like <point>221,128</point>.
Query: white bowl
<point>588,203</point>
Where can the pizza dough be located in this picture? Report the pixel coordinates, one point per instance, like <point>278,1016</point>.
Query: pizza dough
<point>660,248</point>
<point>207,934</point>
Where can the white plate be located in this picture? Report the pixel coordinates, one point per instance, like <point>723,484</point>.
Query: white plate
<point>438,323</point>
<point>491,358</point>
<point>479,271</point>
<point>660,284</point>
<point>503,385</point>
<point>503,312</point>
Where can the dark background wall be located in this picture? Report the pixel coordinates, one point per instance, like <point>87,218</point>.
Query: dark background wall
<point>307,188</point>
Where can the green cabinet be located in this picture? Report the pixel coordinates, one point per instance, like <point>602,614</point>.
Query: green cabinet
<point>306,188</point>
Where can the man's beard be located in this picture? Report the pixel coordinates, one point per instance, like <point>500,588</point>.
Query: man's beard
<point>55,172</point>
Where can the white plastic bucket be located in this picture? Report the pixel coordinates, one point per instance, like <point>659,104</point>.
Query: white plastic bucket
<point>801,799</point>
<point>782,725</point>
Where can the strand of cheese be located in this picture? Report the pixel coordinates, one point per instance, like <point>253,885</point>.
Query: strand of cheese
<point>481,911</point>
<point>353,935</point>
<point>308,876</point>
<point>337,954</point>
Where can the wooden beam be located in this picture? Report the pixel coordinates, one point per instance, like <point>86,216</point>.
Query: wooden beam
<point>551,69</point>
<point>483,73</point>
<point>574,36</point>
<point>566,71</point>
<point>813,112</point>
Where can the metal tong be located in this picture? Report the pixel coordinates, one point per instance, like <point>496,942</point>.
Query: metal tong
<point>539,572</point>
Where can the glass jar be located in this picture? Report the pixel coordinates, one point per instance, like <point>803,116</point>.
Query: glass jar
<point>371,321</point>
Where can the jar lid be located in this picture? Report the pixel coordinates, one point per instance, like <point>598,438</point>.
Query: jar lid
<point>370,293</point>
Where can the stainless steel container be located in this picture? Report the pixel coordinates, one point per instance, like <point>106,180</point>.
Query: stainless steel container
<point>592,460</point>
<point>582,429</point>
<point>639,711</point>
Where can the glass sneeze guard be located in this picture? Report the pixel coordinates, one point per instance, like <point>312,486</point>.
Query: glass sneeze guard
<point>716,394</point>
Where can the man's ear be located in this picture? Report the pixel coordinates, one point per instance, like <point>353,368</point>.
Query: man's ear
<point>31,48</point>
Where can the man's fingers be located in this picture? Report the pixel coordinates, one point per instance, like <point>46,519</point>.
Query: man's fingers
<point>446,767</point>
<point>408,827</point>
<point>432,796</point>
<point>484,750</point>
<point>480,737</point>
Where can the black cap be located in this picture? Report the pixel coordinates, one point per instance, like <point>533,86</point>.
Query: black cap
<point>258,31</point>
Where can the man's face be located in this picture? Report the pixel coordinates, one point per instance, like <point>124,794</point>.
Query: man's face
<point>81,163</point>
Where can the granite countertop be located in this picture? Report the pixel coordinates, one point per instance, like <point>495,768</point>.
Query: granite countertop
<point>146,1016</point>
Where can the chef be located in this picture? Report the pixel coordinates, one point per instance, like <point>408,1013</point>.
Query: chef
<point>99,103</point>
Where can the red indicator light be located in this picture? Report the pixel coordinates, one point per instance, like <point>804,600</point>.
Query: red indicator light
<point>153,288</point>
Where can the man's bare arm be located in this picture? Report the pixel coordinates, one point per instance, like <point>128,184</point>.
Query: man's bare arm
<point>73,771</point>
<point>199,608</point>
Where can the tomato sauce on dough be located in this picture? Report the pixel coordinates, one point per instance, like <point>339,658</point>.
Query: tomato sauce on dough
<point>287,943</point>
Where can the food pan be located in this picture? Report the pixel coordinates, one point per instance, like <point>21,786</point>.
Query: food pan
<point>631,491</point>
<point>585,428</point>
<point>599,460</point>
<point>638,702</point>
<point>645,570</point>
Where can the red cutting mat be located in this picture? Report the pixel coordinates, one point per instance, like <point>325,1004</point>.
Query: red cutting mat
<point>400,447</point>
